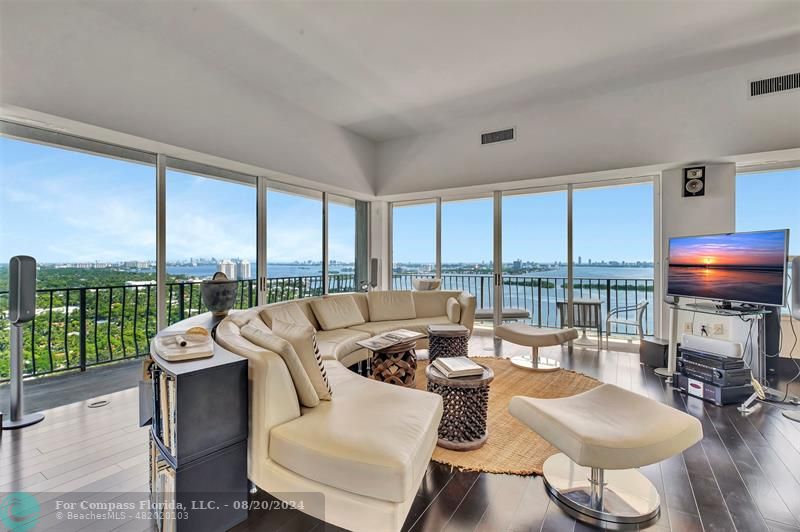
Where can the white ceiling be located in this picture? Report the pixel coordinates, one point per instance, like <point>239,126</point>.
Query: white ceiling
<point>386,69</point>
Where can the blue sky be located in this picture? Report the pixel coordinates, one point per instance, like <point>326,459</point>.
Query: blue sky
<point>82,208</point>
<point>64,206</point>
<point>534,227</point>
<point>770,200</point>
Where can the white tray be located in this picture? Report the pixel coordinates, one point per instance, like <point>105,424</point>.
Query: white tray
<point>197,346</point>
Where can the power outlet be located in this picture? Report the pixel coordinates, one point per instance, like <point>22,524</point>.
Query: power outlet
<point>718,329</point>
<point>687,327</point>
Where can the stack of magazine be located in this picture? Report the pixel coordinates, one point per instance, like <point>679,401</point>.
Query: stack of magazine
<point>388,339</point>
<point>454,367</point>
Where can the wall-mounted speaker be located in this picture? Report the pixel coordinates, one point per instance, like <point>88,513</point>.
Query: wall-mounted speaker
<point>694,181</point>
<point>374,272</point>
<point>21,289</point>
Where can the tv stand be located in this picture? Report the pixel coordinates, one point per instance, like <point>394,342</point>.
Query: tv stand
<point>758,362</point>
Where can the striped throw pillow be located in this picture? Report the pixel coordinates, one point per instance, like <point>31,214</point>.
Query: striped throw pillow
<point>304,341</point>
<point>320,364</point>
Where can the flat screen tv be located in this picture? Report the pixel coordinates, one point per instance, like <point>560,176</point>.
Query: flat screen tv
<point>732,267</point>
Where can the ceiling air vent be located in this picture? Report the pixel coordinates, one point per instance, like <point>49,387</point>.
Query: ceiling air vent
<point>497,136</point>
<point>786,82</point>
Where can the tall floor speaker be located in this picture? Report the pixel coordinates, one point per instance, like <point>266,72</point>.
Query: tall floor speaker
<point>374,272</point>
<point>772,339</point>
<point>21,309</point>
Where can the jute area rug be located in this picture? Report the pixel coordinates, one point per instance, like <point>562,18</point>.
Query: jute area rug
<point>511,446</point>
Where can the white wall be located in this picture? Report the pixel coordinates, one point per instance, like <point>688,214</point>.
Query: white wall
<point>76,62</point>
<point>695,118</point>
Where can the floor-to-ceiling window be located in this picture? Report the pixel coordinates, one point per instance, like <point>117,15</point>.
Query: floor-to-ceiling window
<point>87,211</point>
<point>341,244</point>
<point>534,247</point>
<point>211,227</point>
<point>89,221</point>
<point>294,243</point>
<point>612,253</point>
<point>612,250</point>
<point>413,242</point>
<point>467,247</point>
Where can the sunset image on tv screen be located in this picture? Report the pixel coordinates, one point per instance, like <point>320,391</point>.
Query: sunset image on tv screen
<point>748,267</point>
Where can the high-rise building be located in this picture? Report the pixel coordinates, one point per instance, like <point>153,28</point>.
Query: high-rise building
<point>580,260</point>
<point>228,268</point>
<point>243,269</point>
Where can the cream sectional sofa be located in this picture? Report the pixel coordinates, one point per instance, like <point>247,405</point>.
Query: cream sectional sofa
<point>364,453</point>
<point>381,312</point>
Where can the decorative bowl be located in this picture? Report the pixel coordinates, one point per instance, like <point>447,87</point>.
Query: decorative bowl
<point>219,294</point>
<point>426,283</point>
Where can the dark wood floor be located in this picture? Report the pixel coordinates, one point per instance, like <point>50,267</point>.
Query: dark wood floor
<point>744,475</point>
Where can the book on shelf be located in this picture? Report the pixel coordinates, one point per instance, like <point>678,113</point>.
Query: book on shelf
<point>164,404</point>
<point>165,497</point>
<point>172,405</point>
<point>388,339</point>
<point>454,367</point>
<point>156,373</point>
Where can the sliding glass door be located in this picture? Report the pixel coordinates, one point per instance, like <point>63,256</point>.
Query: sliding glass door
<point>87,215</point>
<point>513,252</point>
<point>413,243</point>
<point>341,245</point>
<point>534,250</point>
<point>467,248</point>
<point>294,243</point>
<point>613,258</point>
<point>210,227</point>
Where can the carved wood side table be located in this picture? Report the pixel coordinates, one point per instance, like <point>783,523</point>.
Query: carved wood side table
<point>396,364</point>
<point>466,405</point>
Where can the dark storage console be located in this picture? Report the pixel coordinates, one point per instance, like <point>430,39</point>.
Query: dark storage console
<point>198,442</point>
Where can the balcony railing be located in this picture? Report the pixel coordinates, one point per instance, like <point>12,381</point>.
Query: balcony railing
<point>539,295</point>
<point>76,328</point>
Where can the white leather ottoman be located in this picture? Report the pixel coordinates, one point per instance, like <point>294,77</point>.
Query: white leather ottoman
<point>534,337</point>
<point>603,434</point>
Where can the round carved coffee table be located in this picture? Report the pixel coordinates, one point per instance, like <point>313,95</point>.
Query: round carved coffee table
<point>396,364</point>
<point>466,404</point>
